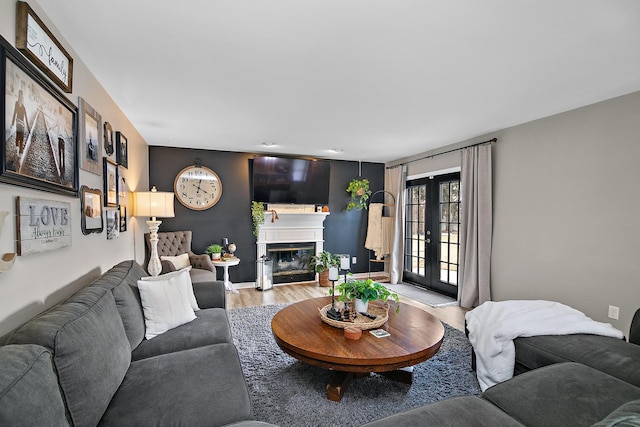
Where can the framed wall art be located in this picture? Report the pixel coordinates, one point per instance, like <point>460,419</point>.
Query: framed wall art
<point>108,138</point>
<point>122,186</point>
<point>110,178</point>
<point>91,203</point>
<point>122,150</point>
<point>38,129</point>
<point>43,225</point>
<point>123,218</point>
<point>37,43</point>
<point>113,224</point>
<point>90,138</point>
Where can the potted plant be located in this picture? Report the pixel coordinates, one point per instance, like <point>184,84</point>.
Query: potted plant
<point>257,215</point>
<point>214,250</point>
<point>360,193</point>
<point>321,263</point>
<point>363,291</point>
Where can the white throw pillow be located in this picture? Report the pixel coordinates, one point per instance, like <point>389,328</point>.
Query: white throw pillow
<point>185,281</point>
<point>179,262</point>
<point>165,304</point>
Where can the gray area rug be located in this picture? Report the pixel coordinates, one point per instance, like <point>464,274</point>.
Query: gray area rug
<point>425,296</point>
<point>287,392</point>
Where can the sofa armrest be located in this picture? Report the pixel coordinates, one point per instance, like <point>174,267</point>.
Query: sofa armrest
<point>210,294</point>
<point>202,262</point>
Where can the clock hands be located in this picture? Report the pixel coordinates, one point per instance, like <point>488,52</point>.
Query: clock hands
<point>199,188</point>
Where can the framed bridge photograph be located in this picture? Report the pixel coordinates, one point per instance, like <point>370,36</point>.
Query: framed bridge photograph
<point>38,129</point>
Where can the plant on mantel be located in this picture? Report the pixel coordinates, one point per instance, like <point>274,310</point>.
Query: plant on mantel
<point>360,193</point>
<point>257,215</point>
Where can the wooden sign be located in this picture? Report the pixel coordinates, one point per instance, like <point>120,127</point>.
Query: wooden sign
<point>43,225</point>
<point>37,43</point>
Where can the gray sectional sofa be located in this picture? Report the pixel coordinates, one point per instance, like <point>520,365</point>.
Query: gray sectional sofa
<point>85,362</point>
<point>570,380</point>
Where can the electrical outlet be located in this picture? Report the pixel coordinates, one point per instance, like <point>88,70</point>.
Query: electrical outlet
<point>614,312</point>
<point>353,260</point>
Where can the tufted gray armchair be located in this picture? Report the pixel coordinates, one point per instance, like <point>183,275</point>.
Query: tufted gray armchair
<point>173,243</point>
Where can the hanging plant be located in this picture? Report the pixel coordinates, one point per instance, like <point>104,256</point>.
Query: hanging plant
<point>360,193</point>
<point>257,215</point>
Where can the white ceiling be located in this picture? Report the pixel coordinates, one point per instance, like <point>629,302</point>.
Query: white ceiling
<point>378,79</point>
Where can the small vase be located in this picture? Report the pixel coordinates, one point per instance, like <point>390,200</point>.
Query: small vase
<point>215,256</point>
<point>362,306</point>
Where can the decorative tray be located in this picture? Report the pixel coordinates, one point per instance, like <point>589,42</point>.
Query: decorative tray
<point>361,322</point>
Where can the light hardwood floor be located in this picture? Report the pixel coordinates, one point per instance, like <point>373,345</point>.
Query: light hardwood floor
<point>282,294</point>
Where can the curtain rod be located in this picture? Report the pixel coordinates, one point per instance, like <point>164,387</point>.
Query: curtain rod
<point>444,152</point>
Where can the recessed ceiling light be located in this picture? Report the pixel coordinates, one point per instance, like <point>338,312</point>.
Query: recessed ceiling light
<point>336,150</point>
<point>269,144</point>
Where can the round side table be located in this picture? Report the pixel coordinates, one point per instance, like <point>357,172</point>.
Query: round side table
<point>225,264</point>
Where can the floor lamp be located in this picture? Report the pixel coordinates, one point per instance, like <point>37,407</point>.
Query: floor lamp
<point>154,204</point>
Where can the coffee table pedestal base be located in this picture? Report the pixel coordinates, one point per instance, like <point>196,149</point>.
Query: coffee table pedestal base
<point>341,380</point>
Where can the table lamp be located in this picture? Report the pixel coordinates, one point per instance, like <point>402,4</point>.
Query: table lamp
<point>154,204</point>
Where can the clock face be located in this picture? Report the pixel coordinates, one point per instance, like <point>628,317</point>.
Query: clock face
<point>197,187</point>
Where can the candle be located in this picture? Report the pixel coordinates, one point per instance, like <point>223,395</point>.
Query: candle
<point>344,262</point>
<point>333,273</point>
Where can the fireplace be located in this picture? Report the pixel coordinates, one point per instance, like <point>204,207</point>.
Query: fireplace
<point>290,233</point>
<point>292,261</point>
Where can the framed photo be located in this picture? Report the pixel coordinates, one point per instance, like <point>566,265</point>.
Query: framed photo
<point>90,138</point>
<point>108,138</point>
<point>123,218</point>
<point>91,204</point>
<point>122,186</point>
<point>37,43</point>
<point>110,177</point>
<point>38,140</point>
<point>113,224</point>
<point>43,225</point>
<point>122,150</point>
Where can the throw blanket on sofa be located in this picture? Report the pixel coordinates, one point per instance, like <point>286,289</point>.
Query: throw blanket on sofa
<point>494,325</point>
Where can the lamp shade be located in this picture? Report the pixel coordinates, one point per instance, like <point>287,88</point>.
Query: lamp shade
<point>153,204</point>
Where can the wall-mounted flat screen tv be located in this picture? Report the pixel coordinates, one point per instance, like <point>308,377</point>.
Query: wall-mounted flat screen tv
<point>291,180</point>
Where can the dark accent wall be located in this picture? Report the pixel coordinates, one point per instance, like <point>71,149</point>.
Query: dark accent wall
<point>345,232</point>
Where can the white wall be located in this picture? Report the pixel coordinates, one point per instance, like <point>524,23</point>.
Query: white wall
<point>41,280</point>
<point>566,208</point>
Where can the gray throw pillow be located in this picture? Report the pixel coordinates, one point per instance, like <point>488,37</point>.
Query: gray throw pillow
<point>627,415</point>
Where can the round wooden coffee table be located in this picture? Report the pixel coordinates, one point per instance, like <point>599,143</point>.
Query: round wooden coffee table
<point>415,337</point>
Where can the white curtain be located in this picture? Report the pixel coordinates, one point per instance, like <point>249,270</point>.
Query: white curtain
<point>476,226</point>
<point>395,182</point>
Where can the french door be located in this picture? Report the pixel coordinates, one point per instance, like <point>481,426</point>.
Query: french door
<point>432,222</point>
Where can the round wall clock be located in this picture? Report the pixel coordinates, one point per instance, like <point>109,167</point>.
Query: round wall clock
<point>108,138</point>
<point>197,187</point>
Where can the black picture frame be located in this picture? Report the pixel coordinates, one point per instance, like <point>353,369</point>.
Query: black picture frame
<point>123,218</point>
<point>122,150</point>
<point>91,210</point>
<point>47,159</point>
<point>110,178</point>
<point>108,138</point>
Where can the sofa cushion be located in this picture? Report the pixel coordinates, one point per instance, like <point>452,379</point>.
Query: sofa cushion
<point>179,261</point>
<point>91,352</point>
<point>165,304</point>
<point>457,411</point>
<point>198,387</point>
<point>211,326</point>
<point>562,394</point>
<point>122,280</point>
<point>627,415</point>
<point>29,392</point>
<point>183,278</point>
<point>613,356</point>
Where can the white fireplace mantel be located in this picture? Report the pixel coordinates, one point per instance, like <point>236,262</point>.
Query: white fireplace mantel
<point>291,227</point>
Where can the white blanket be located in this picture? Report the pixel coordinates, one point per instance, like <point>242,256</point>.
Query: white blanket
<point>494,325</point>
